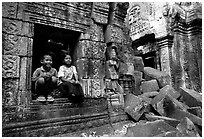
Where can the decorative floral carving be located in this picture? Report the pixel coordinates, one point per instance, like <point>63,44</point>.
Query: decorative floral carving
<point>10,66</point>
<point>9,9</point>
<point>9,89</point>
<point>10,44</point>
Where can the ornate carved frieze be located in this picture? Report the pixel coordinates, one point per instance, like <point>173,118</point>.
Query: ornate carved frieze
<point>74,16</point>
<point>9,92</point>
<point>9,9</point>
<point>17,27</point>
<point>100,12</point>
<point>10,66</point>
<point>16,45</point>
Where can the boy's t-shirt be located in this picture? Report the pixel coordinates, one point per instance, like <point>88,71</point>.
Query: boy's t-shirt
<point>39,72</point>
<point>67,72</point>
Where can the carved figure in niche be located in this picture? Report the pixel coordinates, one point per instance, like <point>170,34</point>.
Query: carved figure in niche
<point>69,85</point>
<point>111,75</point>
<point>45,78</point>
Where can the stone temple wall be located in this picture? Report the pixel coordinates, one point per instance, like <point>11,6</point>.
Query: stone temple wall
<point>177,29</point>
<point>98,23</point>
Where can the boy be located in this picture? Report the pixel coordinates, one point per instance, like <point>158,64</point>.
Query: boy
<point>45,78</point>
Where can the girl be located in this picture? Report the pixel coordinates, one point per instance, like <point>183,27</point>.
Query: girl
<point>68,81</point>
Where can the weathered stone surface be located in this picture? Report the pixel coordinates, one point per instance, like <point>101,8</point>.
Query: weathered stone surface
<point>9,9</point>
<point>138,78</point>
<point>90,68</point>
<point>187,128</point>
<point>180,114</point>
<point>90,49</point>
<point>114,34</point>
<point>167,105</point>
<point>93,88</point>
<point>196,111</point>
<point>135,106</point>
<point>100,12</point>
<point>95,33</point>
<point>17,27</point>
<point>138,63</point>
<point>164,91</point>
<point>10,66</point>
<point>149,129</point>
<point>9,92</point>
<point>16,45</point>
<point>191,97</point>
<point>162,77</point>
<point>150,94</point>
<point>54,14</point>
<point>149,86</point>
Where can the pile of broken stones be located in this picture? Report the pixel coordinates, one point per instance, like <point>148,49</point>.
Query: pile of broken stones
<point>161,111</point>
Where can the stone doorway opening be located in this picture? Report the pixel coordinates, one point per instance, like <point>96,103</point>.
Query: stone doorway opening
<point>52,39</point>
<point>149,59</point>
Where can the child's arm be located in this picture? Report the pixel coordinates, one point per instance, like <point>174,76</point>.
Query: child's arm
<point>76,75</point>
<point>36,75</point>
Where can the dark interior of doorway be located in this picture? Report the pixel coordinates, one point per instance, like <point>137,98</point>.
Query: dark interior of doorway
<point>52,39</point>
<point>149,59</point>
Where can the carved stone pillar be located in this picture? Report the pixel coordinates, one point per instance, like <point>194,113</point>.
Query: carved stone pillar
<point>164,50</point>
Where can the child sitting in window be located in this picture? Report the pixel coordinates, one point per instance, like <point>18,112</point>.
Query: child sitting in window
<point>68,81</point>
<point>45,78</point>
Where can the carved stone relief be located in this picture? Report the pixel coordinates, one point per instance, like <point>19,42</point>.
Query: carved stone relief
<point>114,34</point>
<point>17,27</point>
<point>9,92</point>
<point>100,12</point>
<point>16,45</point>
<point>9,9</point>
<point>10,66</point>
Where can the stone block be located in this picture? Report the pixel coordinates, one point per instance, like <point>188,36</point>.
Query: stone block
<point>138,63</point>
<point>10,66</point>
<point>180,114</point>
<point>95,33</point>
<point>149,86</point>
<point>149,129</point>
<point>164,91</point>
<point>187,128</point>
<point>17,27</point>
<point>90,68</point>
<point>162,77</point>
<point>82,68</point>
<point>150,94</point>
<point>16,45</point>
<point>196,111</point>
<point>135,106</point>
<point>114,34</point>
<point>138,78</point>
<point>100,12</point>
<point>90,49</point>
<point>191,97</point>
<point>9,92</point>
<point>93,88</point>
<point>167,105</point>
<point>9,9</point>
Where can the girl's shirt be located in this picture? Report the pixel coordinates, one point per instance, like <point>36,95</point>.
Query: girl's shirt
<point>66,72</point>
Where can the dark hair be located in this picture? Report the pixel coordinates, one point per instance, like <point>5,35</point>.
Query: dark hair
<point>51,54</point>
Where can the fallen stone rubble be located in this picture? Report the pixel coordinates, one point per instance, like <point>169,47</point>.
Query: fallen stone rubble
<point>164,111</point>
